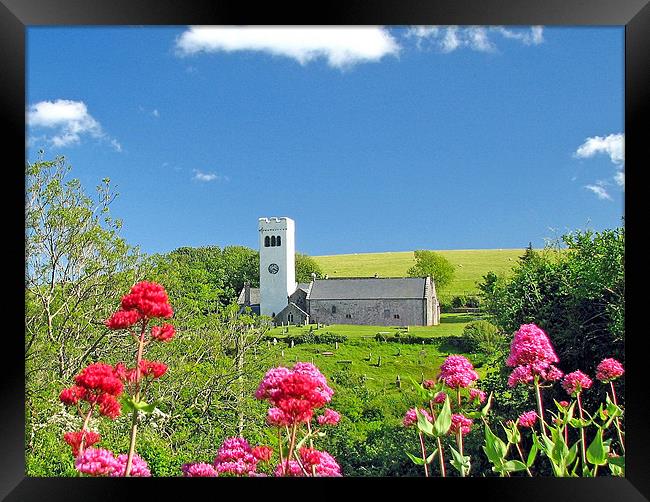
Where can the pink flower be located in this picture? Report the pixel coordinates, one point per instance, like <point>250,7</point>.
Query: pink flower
<point>564,404</point>
<point>199,470</point>
<point>477,394</point>
<point>139,468</point>
<point>109,406</point>
<point>269,386</point>
<point>552,374</point>
<point>277,417</point>
<point>575,382</point>
<point>329,417</point>
<point>96,462</point>
<point>440,397</point>
<point>609,369</point>
<point>520,375</point>
<point>460,422</point>
<point>289,468</point>
<point>72,395</point>
<point>528,419</point>
<point>411,417</point>
<point>153,369</point>
<point>429,384</point>
<point>531,346</point>
<point>456,371</point>
<point>235,457</point>
<point>319,462</point>
<point>163,333</point>
<point>100,377</point>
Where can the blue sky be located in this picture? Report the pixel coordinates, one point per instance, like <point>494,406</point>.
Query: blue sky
<point>371,139</point>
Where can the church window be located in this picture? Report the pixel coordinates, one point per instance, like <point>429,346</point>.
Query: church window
<point>278,241</point>
<point>290,317</point>
<point>333,309</point>
<point>267,241</point>
<point>396,316</point>
<point>273,241</point>
<point>348,316</point>
<point>386,313</point>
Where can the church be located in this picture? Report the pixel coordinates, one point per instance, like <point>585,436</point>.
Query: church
<point>372,301</point>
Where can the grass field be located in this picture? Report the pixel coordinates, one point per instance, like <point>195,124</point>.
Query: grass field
<point>470,264</point>
<point>360,353</point>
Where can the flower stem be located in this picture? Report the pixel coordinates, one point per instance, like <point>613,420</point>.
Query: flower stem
<point>424,455</point>
<point>618,423</point>
<point>441,457</point>
<point>459,435</point>
<point>540,407</point>
<point>83,430</point>
<point>521,455</point>
<point>582,433</point>
<point>136,398</point>
<point>280,449</point>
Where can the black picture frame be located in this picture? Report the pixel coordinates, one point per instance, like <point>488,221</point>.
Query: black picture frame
<point>16,15</point>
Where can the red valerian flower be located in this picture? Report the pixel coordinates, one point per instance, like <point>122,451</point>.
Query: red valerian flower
<point>96,462</point>
<point>440,397</point>
<point>609,369</point>
<point>456,371</point>
<point>139,467</point>
<point>74,440</point>
<point>109,406</point>
<point>163,333</point>
<point>199,470</point>
<point>329,417</point>
<point>319,462</point>
<point>460,422</point>
<point>575,382</point>
<point>153,369</point>
<point>149,299</point>
<point>100,377</point>
<point>477,394</point>
<point>122,319</point>
<point>528,419</point>
<point>235,457</point>
<point>72,395</point>
<point>531,347</point>
<point>263,453</point>
<point>411,417</point>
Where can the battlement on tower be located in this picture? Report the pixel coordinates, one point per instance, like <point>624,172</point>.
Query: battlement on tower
<point>275,223</point>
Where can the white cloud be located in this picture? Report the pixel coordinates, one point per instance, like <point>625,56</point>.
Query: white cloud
<point>534,36</point>
<point>619,178</point>
<point>155,113</point>
<point>69,120</point>
<point>600,190</point>
<point>612,145</point>
<point>206,177</point>
<point>341,47</point>
<point>450,38</point>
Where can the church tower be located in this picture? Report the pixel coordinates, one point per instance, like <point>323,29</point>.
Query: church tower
<point>277,263</point>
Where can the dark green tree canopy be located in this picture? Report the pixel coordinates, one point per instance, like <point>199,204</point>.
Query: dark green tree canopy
<point>434,265</point>
<point>305,266</point>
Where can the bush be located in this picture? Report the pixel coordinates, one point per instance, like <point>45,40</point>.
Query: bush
<point>484,336</point>
<point>311,337</point>
<point>458,302</point>
<point>473,302</point>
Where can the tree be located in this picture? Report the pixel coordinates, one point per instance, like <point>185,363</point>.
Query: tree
<point>428,263</point>
<point>305,266</point>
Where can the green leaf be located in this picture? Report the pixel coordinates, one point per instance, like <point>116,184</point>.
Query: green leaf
<point>423,423</point>
<point>532,454</point>
<point>443,421</point>
<point>144,406</point>
<point>459,461</point>
<point>486,408</point>
<point>127,403</point>
<point>597,451</point>
<point>416,460</point>
<point>514,465</point>
<point>618,461</point>
<point>432,456</point>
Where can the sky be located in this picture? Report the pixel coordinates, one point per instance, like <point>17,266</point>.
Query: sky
<point>371,138</point>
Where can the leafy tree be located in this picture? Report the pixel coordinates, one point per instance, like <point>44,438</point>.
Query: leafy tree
<point>434,265</point>
<point>305,266</point>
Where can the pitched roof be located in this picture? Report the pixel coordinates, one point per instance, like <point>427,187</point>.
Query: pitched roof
<point>255,296</point>
<point>368,288</point>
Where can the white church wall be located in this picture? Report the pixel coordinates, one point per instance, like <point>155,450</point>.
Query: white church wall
<point>277,264</point>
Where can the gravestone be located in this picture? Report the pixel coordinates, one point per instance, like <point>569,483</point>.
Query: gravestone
<point>398,382</point>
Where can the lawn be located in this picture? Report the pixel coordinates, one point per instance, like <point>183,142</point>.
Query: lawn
<point>470,264</point>
<point>361,352</point>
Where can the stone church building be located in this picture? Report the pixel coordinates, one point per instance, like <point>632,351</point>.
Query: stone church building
<point>402,301</point>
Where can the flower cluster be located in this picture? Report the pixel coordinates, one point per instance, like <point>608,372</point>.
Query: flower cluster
<point>575,382</point>
<point>411,417</point>
<point>329,417</point>
<point>528,419</point>
<point>460,422</point>
<point>97,384</point>
<point>477,394</point>
<point>199,470</point>
<point>608,370</point>
<point>146,300</point>
<point>235,457</point>
<point>263,453</point>
<point>456,371</point>
<point>531,354</point>
<point>314,462</point>
<point>75,439</point>
<point>163,333</point>
<point>295,393</point>
<point>101,462</point>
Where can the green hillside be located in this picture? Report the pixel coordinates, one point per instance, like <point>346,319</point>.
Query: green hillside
<point>471,265</point>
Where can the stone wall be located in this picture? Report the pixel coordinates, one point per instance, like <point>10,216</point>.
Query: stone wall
<point>412,312</point>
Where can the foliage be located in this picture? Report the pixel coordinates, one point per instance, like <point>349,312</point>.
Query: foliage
<point>578,294</point>
<point>434,265</point>
<point>305,267</point>
<point>315,337</point>
<point>485,336</point>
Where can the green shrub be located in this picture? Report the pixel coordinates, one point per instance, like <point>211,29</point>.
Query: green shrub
<point>484,336</point>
